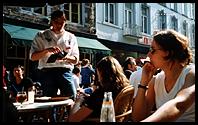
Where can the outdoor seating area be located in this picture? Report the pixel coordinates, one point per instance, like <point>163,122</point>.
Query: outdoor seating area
<point>44,109</point>
<point>67,62</point>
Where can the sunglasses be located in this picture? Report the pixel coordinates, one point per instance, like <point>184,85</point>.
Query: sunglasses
<point>152,50</point>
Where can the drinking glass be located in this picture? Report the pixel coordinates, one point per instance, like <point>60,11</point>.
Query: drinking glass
<point>21,97</point>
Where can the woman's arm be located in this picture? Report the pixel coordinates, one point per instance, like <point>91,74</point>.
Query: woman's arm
<point>143,103</point>
<point>174,108</point>
<point>145,98</point>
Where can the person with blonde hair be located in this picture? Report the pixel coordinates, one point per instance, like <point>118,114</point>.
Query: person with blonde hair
<point>173,89</point>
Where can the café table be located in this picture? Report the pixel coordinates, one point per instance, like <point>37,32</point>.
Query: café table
<point>43,109</point>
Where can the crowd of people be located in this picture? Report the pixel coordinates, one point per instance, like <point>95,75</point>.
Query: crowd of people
<point>164,82</point>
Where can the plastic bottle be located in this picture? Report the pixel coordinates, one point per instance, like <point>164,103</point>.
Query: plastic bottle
<point>107,110</point>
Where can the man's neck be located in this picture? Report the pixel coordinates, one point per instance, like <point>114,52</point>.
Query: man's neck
<point>58,31</point>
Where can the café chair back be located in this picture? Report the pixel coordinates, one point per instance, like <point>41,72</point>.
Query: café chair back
<point>123,104</point>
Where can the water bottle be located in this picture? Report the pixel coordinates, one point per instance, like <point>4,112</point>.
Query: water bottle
<point>107,110</point>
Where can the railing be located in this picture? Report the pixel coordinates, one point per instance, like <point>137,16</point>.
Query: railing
<point>132,30</point>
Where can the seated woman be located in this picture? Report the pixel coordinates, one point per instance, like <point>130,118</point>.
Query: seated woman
<point>173,89</point>
<point>111,78</point>
<point>19,82</point>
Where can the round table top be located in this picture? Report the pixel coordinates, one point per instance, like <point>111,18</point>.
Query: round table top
<point>42,105</point>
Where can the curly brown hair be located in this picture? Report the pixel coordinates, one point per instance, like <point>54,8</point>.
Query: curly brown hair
<point>177,45</point>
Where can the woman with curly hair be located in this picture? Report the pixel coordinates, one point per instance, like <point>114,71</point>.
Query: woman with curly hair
<point>173,89</point>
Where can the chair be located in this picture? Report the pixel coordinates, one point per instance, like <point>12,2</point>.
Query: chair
<point>123,104</point>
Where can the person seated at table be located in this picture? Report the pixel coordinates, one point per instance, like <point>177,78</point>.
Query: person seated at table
<point>87,91</point>
<point>19,82</point>
<point>173,89</point>
<point>76,76</point>
<point>129,66</point>
<point>77,81</point>
<point>9,111</point>
<point>111,78</point>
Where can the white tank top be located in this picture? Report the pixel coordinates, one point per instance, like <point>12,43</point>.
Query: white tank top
<point>161,95</point>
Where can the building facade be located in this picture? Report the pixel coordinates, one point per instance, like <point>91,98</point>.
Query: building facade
<point>20,25</point>
<point>127,28</point>
<point>117,29</point>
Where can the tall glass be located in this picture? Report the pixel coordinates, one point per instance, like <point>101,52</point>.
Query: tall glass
<point>21,97</point>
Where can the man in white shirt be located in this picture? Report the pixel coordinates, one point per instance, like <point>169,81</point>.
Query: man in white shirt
<point>56,73</point>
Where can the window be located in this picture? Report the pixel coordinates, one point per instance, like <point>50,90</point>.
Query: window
<point>192,10</point>
<point>184,9</point>
<point>15,51</point>
<point>129,14</point>
<point>174,23</point>
<point>145,19</point>
<point>72,12</point>
<point>175,6</point>
<point>111,13</point>
<point>31,10</point>
<point>87,13</point>
<point>162,20</point>
<point>185,26</point>
<point>193,36</point>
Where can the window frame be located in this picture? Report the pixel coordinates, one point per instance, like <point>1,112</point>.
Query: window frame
<point>145,18</point>
<point>185,28</point>
<point>129,20</point>
<point>110,16</point>
<point>193,35</point>
<point>70,13</point>
<point>32,10</point>
<point>174,23</point>
<point>162,20</point>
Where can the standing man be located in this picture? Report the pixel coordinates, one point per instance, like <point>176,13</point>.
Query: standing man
<point>62,46</point>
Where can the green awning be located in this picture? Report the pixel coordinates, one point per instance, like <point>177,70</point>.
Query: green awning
<point>21,35</point>
<point>24,36</point>
<point>91,46</point>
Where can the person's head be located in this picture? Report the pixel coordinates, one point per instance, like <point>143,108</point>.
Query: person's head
<point>129,64</point>
<point>85,62</point>
<point>169,46</point>
<point>76,71</point>
<point>18,71</point>
<point>139,62</point>
<point>58,20</point>
<point>79,64</point>
<point>110,74</point>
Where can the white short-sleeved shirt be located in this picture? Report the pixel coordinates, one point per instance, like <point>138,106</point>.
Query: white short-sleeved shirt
<point>76,80</point>
<point>161,95</point>
<point>47,38</point>
<point>135,79</point>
